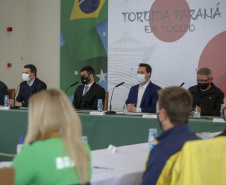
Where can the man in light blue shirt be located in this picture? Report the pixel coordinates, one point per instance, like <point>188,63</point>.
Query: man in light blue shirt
<point>30,85</point>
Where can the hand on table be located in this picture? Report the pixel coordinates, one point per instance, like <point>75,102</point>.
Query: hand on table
<point>11,103</point>
<point>199,108</point>
<point>131,107</point>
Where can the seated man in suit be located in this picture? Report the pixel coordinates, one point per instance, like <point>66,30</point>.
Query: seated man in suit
<point>30,86</point>
<point>174,105</point>
<point>143,97</point>
<point>3,92</point>
<point>87,95</point>
<point>206,96</point>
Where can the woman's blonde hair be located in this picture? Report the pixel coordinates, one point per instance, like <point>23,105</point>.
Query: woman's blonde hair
<point>49,112</point>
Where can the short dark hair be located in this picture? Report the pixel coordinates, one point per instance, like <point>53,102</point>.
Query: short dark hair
<point>177,103</point>
<point>148,67</point>
<point>32,68</point>
<point>89,70</point>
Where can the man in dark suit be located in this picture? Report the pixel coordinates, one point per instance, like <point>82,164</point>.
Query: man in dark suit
<point>30,86</point>
<point>3,92</point>
<point>87,95</point>
<point>143,97</point>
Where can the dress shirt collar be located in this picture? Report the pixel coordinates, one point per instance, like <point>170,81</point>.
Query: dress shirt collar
<point>30,84</point>
<point>145,86</point>
<point>89,85</point>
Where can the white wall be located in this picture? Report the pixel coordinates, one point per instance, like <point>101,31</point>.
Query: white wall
<point>35,39</point>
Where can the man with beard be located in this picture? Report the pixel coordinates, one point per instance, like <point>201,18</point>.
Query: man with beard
<point>87,95</point>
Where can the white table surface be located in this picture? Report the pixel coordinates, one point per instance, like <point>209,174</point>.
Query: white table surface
<point>126,166</point>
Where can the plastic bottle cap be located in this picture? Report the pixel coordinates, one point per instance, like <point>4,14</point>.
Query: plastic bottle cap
<point>21,141</point>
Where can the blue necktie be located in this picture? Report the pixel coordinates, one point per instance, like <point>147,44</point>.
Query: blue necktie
<point>86,90</point>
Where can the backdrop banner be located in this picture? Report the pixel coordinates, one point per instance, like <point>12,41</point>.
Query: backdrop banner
<point>175,37</point>
<point>84,31</point>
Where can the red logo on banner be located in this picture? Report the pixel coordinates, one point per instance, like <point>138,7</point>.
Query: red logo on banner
<point>213,57</point>
<point>169,20</point>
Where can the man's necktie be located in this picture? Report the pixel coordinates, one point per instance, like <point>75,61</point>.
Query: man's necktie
<point>86,89</point>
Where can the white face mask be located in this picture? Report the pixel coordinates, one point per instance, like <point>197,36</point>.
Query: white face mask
<point>141,78</point>
<point>25,77</point>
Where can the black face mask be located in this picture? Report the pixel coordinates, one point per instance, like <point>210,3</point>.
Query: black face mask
<point>85,80</point>
<point>203,86</point>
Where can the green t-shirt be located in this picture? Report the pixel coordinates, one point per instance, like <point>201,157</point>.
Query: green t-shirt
<point>44,162</point>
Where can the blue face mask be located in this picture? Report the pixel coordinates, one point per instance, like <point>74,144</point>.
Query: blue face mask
<point>159,122</point>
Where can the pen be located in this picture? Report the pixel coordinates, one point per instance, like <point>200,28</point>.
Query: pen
<point>98,167</point>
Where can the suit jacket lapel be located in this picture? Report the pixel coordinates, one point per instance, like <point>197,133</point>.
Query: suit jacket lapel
<point>32,88</point>
<point>80,92</point>
<point>89,92</point>
<point>136,94</point>
<point>146,92</point>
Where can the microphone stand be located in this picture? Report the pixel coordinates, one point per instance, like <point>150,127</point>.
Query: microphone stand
<point>181,84</point>
<point>113,112</point>
<point>15,107</point>
<point>70,86</point>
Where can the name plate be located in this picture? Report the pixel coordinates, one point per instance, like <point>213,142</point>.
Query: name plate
<point>218,120</point>
<point>4,108</point>
<point>96,113</point>
<point>113,149</point>
<point>149,116</point>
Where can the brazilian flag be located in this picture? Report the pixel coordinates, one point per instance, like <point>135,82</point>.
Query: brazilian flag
<point>84,32</point>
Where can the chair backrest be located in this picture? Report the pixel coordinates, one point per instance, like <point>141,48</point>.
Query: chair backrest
<point>199,162</point>
<point>7,176</point>
<point>105,107</point>
<point>11,93</point>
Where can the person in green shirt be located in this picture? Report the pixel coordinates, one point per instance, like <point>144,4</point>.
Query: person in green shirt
<point>54,152</point>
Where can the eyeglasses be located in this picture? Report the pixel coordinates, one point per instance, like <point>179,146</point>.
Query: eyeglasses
<point>202,81</point>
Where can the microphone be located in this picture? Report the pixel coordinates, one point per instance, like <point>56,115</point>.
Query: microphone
<point>181,84</point>
<point>119,84</point>
<point>113,112</point>
<point>71,86</point>
<point>16,107</point>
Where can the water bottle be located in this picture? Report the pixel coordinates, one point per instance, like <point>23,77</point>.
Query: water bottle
<point>205,135</point>
<point>153,133</point>
<point>125,109</point>
<point>99,105</point>
<point>20,145</point>
<point>85,139</point>
<point>6,100</point>
<point>157,106</point>
<point>221,111</point>
<point>196,113</point>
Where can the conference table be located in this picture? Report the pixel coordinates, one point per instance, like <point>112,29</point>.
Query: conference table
<point>101,131</point>
<point>118,168</point>
<point>125,167</point>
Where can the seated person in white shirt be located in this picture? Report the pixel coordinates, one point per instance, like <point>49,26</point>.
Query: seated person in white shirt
<point>143,96</point>
<point>87,95</point>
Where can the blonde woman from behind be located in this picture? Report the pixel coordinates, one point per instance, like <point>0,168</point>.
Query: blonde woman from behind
<point>54,152</point>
